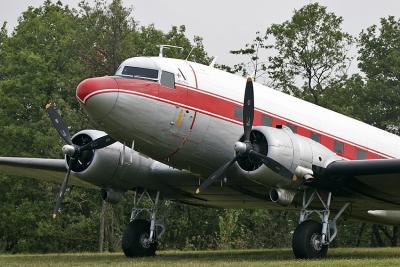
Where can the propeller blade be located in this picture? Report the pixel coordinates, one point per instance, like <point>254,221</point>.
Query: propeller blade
<point>248,109</point>
<point>59,124</point>
<point>63,188</point>
<point>98,143</point>
<point>272,164</point>
<point>216,175</point>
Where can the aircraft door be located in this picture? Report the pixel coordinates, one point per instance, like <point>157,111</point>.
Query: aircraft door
<point>182,122</point>
<point>176,119</point>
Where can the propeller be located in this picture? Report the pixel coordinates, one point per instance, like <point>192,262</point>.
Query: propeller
<point>245,148</point>
<point>72,150</point>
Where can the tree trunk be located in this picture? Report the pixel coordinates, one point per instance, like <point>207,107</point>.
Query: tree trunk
<point>377,237</point>
<point>396,235</point>
<point>101,230</point>
<point>111,240</point>
<point>360,232</point>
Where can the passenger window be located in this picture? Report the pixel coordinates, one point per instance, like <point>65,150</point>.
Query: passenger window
<point>316,137</point>
<point>168,79</point>
<point>338,147</point>
<point>238,113</point>
<point>361,154</point>
<point>140,73</point>
<point>266,120</point>
<point>292,127</point>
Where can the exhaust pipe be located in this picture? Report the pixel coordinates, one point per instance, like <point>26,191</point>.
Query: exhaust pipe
<point>111,196</point>
<point>281,196</point>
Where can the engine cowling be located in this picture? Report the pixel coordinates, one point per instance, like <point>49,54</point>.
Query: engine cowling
<point>113,167</point>
<point>95,166</point>
<point>292,153</point>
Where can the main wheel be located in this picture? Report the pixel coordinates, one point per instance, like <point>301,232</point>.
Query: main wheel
<point>133,237</point>
<point>307,241</point>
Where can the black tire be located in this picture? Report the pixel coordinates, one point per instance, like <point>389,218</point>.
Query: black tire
<point>134,232</point>
<point>303,243</point>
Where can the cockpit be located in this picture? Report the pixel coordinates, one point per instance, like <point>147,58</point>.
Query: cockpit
<point>143,68</point>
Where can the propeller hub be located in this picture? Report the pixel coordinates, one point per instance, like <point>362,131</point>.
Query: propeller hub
<point>69,150</point>
<point>240,147</point>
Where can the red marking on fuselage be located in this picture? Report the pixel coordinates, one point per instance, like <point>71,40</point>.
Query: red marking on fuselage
<point>194,119</point>
<point>195,76</point>
<point>220,107</point>
<point>91,86</point>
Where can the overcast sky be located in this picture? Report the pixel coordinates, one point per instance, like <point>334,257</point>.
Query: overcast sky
<point>228,24</point>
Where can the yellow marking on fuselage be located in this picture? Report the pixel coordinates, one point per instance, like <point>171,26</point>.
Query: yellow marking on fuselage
<point>179,119</point>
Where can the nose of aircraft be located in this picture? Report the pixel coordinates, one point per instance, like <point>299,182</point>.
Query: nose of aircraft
<point>97,96</point>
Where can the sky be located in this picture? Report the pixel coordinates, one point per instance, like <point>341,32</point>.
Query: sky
<point>226,25</point>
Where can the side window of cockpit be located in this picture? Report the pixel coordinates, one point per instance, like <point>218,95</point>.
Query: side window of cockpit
<point>168,79</point>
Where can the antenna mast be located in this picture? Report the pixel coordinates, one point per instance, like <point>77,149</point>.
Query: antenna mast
<point>167,46</point>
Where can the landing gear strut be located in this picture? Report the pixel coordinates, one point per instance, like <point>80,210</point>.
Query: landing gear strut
<point>141,236</point>
<point>311,239</point>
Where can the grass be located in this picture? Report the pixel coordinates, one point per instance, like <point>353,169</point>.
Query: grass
<point>262,257</point>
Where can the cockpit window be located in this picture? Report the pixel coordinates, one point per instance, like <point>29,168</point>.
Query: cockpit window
<point>140,73</point>
<point>168,79</point>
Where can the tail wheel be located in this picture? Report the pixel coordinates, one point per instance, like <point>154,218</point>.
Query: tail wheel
<point>134,237</point>
<point>307,241</point>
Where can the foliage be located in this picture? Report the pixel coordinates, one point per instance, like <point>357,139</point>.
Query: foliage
<point>379,59</point>
<point>255,66</point>
<point>311,52</point>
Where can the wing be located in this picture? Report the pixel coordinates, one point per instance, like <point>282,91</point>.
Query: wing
<point>376,179</point>
<point>49,170</point>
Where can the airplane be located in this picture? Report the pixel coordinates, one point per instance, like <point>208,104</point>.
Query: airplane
<point>171,129</point>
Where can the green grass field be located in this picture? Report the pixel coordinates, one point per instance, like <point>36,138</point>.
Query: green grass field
<point>265,257</point>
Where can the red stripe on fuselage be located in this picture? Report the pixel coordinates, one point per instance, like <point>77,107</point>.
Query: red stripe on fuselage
<point>224,108</point>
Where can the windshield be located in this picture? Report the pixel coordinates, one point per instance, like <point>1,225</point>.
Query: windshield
<point>139,73</point>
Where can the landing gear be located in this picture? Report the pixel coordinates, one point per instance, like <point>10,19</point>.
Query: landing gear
<point>135,239</point>
<point>307,241</point>
<point>141,236</point>
<point>311,239</point>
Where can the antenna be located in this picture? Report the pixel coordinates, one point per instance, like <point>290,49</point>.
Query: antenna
<point>213,62</point>
<point>167,46</point>
<point>191,50</point>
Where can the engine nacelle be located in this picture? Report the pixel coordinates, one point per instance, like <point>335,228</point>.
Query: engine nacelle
<point>111,196</point>
<point>115,166</point>
<point>292,152</point>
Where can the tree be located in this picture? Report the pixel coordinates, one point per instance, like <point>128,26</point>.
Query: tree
<point>379,59</point>
<point>255,66</point>
<point>108,35</point>
<point>311,52</point>
<point>39,65</point>
<point>3,40</point>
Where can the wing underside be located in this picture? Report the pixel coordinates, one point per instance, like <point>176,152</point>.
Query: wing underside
<point>49,170</point>
<point>376,180</point>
